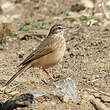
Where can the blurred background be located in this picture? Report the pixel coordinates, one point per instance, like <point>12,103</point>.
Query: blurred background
<point>27,15</point>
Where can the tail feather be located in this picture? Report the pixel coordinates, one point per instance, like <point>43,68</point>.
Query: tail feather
<point>22,69</point>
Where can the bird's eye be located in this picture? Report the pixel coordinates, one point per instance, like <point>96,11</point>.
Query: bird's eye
<point>59,28</point>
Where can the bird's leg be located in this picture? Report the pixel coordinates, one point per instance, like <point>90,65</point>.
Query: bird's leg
<point>48,74</point>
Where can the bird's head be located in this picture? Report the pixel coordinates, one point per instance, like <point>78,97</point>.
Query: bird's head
<point>57,28</point>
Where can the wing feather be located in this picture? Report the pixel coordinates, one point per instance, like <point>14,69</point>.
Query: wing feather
<point>43,49</point>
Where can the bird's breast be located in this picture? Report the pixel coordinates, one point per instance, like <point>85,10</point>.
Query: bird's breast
<point>60,47</point>
<point>53,57</point>
<point>58,53</point>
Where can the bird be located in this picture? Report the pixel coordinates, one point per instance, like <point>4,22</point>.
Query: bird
<point>49,53</point>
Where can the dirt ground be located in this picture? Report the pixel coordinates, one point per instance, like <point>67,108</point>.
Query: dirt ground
<point>86,60</point>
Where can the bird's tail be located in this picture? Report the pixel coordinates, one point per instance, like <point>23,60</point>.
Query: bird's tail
<point>22,69</point>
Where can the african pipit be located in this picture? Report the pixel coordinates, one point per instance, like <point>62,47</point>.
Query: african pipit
<point>48,53</point>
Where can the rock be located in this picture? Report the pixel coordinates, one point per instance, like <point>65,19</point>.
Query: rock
<point>20,54</point>
<point>67,88</point>
<point>7,6</point>
<point>77,7</point>
<point>16,16</point>
<point>87,3</point>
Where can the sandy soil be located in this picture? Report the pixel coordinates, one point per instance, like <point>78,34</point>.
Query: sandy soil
<point>86,60</point>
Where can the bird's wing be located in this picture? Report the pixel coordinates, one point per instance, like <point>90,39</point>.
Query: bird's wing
<point>43,49</point>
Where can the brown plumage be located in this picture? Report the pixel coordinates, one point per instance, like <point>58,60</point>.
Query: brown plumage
<point>47,54</point>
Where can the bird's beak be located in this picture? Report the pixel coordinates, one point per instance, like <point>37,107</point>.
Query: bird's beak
<point>67,28</point>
